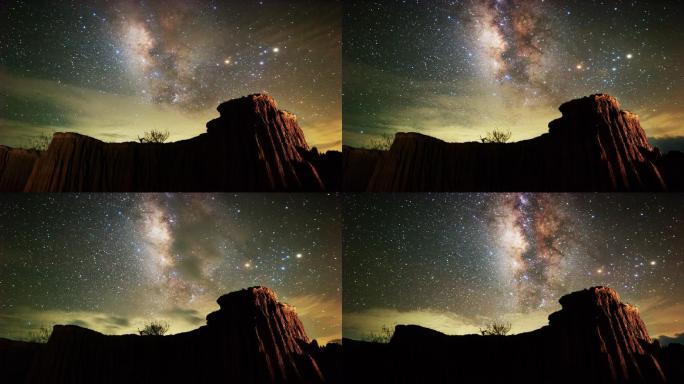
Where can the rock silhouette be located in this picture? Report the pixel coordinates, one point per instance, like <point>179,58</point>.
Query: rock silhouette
<point>252,146</point>
<point>594,146</point>
<point>15,167</point>
<point>252,339</point>
<point>594,338</point>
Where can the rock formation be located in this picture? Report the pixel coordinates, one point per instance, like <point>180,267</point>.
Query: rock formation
<point>252,146</point>
<point>594,338</point>
<point>594,146</point>
<point>15,167</point>
<point>358,165</point>
<point>252,338</point>
<point>16,358</point>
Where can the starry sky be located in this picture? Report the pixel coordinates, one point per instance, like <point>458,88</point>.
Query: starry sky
<point>458,69</point>
<point>111,262</point>
<point>115,69</point>
<point>454,262</point>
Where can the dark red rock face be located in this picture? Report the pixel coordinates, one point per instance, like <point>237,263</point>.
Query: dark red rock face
<point>16,358</point>
<point>252,146</point>
<point>252,338</point>
<point>15,167</point>
<point>594,146</point>
<point>358,165</point>
<point>595,338</point>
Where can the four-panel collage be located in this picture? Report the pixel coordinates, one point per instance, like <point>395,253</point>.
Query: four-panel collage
<point>341,191</point>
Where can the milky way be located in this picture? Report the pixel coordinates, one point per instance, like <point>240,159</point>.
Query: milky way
<point>532,238</point>
<point>114,261</point>
<point>456,261</point>
<point>458,69</point>
<point>513,41</point>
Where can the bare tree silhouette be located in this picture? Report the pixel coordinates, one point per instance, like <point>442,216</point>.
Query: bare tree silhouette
<point>495,329</point>
<point>496,136</point>
<point>154,136</point>
<point>154,328</point>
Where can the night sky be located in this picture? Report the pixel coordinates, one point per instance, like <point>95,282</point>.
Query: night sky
<point>458,69</point>
<point>453,262</point>
<point>115,69</point>
<point>111,262</point>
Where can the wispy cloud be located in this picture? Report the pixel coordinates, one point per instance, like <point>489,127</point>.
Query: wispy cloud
<point>101,115</point>
<point>118,118</point>
<point>20,322</point>
<point>663,124</point>
<point>321,316</point>
<point>663,316</point>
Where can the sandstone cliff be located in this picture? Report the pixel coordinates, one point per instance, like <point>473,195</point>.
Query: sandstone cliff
<point>594,146</point>
<point>252,146</point>
<point>252,338</point>
<point>594,338</point>
<point>15,167</point>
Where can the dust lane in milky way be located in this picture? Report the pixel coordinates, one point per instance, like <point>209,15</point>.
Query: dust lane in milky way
<point>455,261</point>
<point>75,66</point>
<point>112,262</point>
<point>458,69</point>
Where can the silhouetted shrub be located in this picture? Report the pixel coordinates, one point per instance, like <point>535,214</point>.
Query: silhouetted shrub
<point>42,335</point>
<point>496,137</point>
<point>384,336</point>
<point>39,142</point>
<point>154,136</point>
<point>495,329</point>
<point>154,328</point>
<point>381,143</point>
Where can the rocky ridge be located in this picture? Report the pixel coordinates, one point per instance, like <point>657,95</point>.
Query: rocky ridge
<point>252,338</point>
<point>594,146</point>
<point>594,338</point>
<point>252,146</point>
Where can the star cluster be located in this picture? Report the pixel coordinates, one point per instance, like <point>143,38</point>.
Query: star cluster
<point>455,261</point>
<point>76,65</point>
<point>112,262</point>
<point>459,69</point>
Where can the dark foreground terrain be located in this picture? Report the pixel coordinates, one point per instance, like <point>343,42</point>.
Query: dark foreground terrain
<point>594,146</point>
<point>594,338</point>
<point>252,338</point>
<point>252,146</point>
